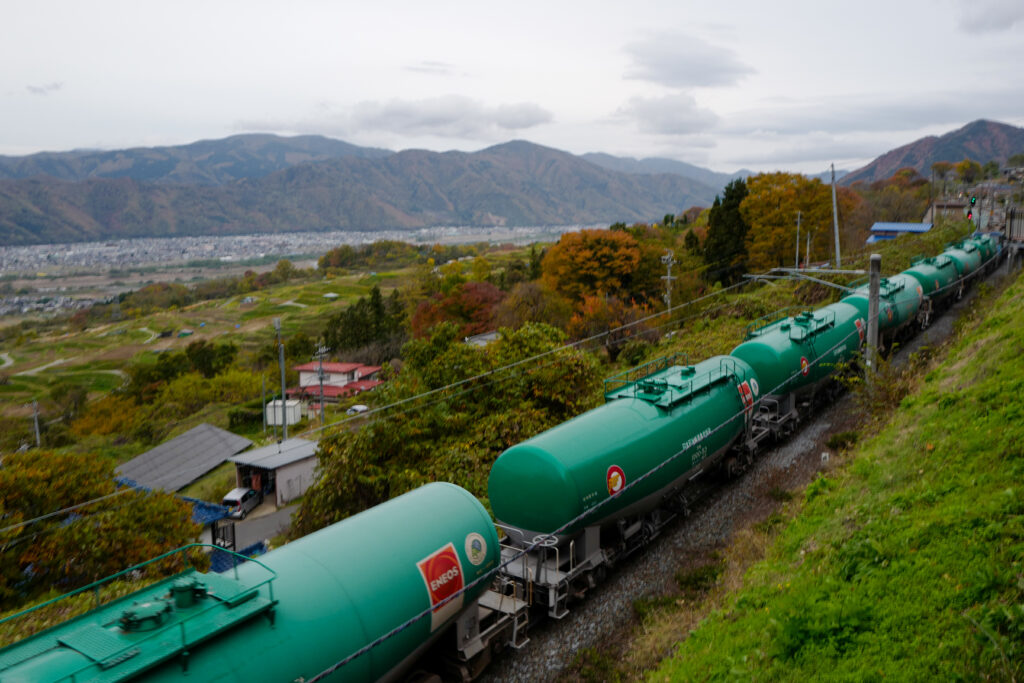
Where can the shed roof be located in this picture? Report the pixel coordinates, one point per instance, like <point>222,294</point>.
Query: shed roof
<point>901,227</point>
<point>185,458</point>
<point>277,455</point>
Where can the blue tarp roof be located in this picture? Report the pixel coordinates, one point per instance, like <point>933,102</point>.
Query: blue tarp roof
<point>901,227</point>
<point>205,513</point>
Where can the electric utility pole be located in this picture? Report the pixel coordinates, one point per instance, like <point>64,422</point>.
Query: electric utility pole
<point>669,261</point>
<point>280,360</point>
<point>796,263</point>
<point>321,351</point>
<point>835,218</point>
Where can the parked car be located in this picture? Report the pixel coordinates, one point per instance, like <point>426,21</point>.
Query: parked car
<point>241,501</point>
<point>356,409</point>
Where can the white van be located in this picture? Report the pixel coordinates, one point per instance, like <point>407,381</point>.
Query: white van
<point>241,501</point>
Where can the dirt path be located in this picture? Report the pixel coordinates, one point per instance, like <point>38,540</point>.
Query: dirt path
<point>37,370</point>
<point>6,358</point>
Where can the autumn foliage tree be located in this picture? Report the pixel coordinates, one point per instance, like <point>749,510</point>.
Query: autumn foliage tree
<point>75,548</point>
<point>532,302</point>
<point>770,208</point>
<point>612,321</point>
<point>607,261</point>
<point>455,434</point>
<point>471,305</point>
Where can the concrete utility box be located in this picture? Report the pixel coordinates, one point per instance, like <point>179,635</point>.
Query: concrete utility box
<point>292,412</point>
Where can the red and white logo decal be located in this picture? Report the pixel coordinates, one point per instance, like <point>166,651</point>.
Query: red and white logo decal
<point>616,480</point>
<point>442,574</point>
<point>860,329</point>
<point>888,312</point>
<point>805,367</point>
<point>746,395</point>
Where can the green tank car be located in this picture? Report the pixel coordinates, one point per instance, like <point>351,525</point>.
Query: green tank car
<point>658,412</point>
<point>293,612</point>
<point>797,353</point>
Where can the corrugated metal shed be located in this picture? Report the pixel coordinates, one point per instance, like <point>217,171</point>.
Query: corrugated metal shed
<point>277,455</point>
<point>180,461</point>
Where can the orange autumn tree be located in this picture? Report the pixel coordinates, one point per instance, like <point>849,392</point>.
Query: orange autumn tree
<point>608,261</point>
<point>614,321</point>
<point>770,209</point>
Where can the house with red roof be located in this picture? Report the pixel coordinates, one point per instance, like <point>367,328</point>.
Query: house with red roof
<point>340,380</point>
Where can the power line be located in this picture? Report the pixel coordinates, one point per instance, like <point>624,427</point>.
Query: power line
<point>576,520</point>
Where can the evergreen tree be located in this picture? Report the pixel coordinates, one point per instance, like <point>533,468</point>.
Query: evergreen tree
<point>724,250</point>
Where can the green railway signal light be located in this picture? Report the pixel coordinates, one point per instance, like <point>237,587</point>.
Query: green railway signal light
<point>974,200</point>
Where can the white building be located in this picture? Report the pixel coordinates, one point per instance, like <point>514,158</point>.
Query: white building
<point>283,470</point>
<point>292,412</point>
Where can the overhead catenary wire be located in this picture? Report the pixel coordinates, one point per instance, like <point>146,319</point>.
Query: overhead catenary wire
<point>432,392</point>
<point>389,409</point>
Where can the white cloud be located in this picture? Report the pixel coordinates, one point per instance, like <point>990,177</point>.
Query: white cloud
<point>681,61</point>
<point>432,68</point>
<point>874,113</point>
<point>448,116</point>
<point>44,89</point>
<point>676,114</point>
<point>990,16</point>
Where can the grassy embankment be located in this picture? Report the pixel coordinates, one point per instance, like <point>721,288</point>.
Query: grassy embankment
<point>905,563</point>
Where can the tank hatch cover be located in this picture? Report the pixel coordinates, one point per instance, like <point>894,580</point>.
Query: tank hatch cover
<point>116,655</point>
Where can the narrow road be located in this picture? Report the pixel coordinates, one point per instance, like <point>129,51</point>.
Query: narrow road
<point>263,528</point>
<point>40,368</point>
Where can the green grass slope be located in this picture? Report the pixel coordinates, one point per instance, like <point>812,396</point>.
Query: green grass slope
<point>905,564</point>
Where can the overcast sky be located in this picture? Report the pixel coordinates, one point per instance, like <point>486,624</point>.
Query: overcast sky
<point>725,85</point>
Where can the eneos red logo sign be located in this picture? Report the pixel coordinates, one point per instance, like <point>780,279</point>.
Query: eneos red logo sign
<point>442,574</point>
<point>616,479</point>
<point>805,366</point>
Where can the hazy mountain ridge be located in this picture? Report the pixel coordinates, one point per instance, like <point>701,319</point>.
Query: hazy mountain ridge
<point>517,183</point>
<point>979,140</point>
<point>206,162</point>
<point>651,165</point>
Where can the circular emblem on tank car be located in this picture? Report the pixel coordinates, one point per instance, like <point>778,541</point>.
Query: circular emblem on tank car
<point>805,367</point>
<point>860,329</point>
<point>616,479</point>
<point>754,387</point>
<point>476,548</point>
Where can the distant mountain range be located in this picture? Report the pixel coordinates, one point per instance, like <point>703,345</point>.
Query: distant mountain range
<point>980,140</point>
<point>652,165</point>
<point>266,183</point>
<point>207,162</point>
<point>142,192</point>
